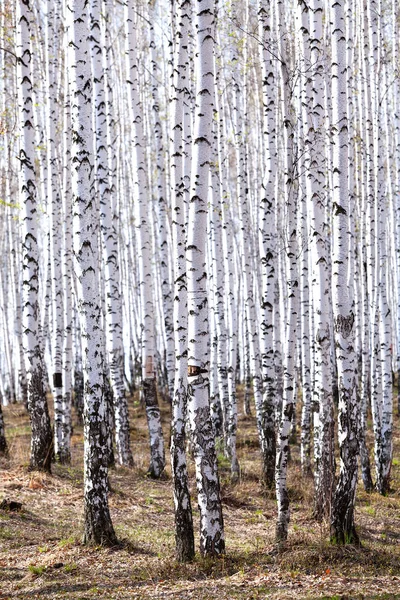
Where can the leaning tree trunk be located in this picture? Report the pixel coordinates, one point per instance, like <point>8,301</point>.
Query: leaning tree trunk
<point>212,540</point>
<point>41,440</point>
<point>98,528</point>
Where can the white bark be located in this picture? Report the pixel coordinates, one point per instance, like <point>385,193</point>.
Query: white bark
<point>291,291</point>
<point>109,231</point>
<point>141,192</point>
<point>41,440</point>
<point>342,516</point>
<point>179,149</point>
<point>268,246</point>
<point>98,525</point>
<point>212,540</point>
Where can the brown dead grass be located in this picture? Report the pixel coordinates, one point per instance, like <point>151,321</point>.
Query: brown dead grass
<point>41,555</point>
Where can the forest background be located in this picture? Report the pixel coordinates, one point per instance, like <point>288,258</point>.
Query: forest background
<point>202,199</point>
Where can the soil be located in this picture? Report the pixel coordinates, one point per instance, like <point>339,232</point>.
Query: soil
<point>42,556</point>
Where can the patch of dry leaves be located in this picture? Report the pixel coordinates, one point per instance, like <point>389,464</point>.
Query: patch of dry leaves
<point>41,556</point>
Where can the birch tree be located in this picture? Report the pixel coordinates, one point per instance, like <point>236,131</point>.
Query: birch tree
<point>41,440</point>
<point>324,427</point>
<point>3,441</point>
<point>179,154</point>
<point>212,540</point>
<point>55,199</point>
<point>98,528</point>
<point>109,230</point>
<point>342,515</point>
<point>268,243</point>
<point>291,290</point>
<point>157,459</point>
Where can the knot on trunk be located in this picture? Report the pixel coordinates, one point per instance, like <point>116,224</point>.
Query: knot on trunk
<point>344,325</point>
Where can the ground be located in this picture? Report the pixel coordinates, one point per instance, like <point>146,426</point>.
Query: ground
<point>41,555</point>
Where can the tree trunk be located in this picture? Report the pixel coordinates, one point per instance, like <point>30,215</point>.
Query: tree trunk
<point>98,528</point>
<point>212,540</point>
<point>342,516</point>
<point>41,441</point>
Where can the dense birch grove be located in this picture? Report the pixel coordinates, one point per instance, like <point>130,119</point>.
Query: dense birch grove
<point>200,203</point>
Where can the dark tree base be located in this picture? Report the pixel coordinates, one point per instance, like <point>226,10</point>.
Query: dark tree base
<point>280,536</point>
<point>365,465</point>
<point>184,536</point>
<point>342,537</point>
<point>212,547</point>
<point>64,457</point>
<point>367,481</point>
<point>42,449</point>
<point>98,530</point>
<point>383,486</point>
<point>268,476</point>
<point>42,453</point>
<point>3,447</point>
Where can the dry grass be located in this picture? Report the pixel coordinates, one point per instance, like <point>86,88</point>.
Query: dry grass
<point>41,555</point>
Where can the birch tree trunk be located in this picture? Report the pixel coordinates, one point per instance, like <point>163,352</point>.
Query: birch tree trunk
<point>68,279</point>
<point>291,291</point>
<point>41,440</point>
<point>342,515</point>
<point>157,457</point>
<point>3,441</point>
<point>109,230</point>
<point>212,540</point>
<point>267,247</point>
<point>179,148</point>
<point>98,528</point>
<point>324,468</point>
<point>56,234</point>
<point>161,211</point>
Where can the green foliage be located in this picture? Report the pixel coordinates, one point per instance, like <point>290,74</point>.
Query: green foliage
<point>6,533</point>
<point>9,204</point>
<point>66,542</point>
<point>370,510</point>
<point>36,570</point>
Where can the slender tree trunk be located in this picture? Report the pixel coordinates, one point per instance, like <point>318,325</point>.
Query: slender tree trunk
<point>98,528</point>
<point>55,197</point>
<point>109,230</point>
<point>184,535</point>
<point>291,291</point>
<point>41,440</point>
<point>212,540</point>
<point>267,249</point>
<point>342,516</point>
<point>323,394</point>
<point>157,456</point>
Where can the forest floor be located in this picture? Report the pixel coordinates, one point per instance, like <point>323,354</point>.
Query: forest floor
<point>41,555</point>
